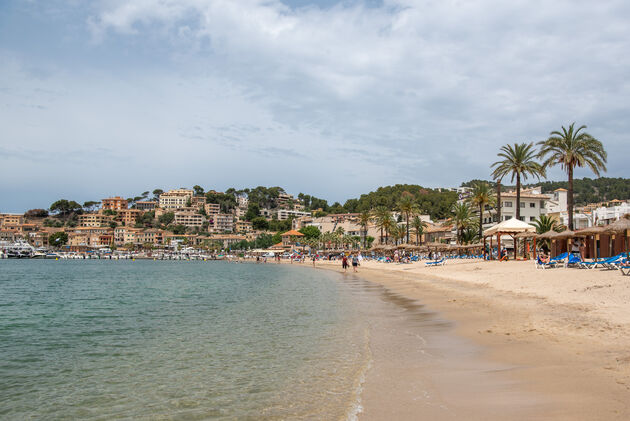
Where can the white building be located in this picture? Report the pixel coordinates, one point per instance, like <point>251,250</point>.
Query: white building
<point>606,215</point>
<point>533,204</point>
<point>175,199</point>
<point>284,214</point>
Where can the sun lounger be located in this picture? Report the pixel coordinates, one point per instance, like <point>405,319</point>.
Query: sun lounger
<point>625,269</point>
<point>614,262</point>
<point>542,265</point>
<point>440,262</point>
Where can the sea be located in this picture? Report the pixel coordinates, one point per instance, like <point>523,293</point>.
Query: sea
<point>180,340</point>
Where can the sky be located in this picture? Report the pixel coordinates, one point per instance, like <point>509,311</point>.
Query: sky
<point>333,99</point>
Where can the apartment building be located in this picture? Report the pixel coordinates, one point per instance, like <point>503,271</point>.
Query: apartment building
<point>223,222</point>
<point>11,219</point>
<point>150,236</point>
<point>146,205</point>
<point>114,203</point>
<point>284,214</point>
<point>175,199</point>
<point>129,217</point>
<point>284,200</point>
<point>243,227</point>
<point>533,204</point>
<point>189,219</point>
<point>125,235</point>
<point>198,202</point>
<point>242,201</point>
<point>95,220</point>
<point>212,209</point>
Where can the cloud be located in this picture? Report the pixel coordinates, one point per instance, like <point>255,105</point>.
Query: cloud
<point>382,92</point>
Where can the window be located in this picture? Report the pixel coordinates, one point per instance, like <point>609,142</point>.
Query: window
<point>531,218</point>
<point>522,218</point>
<point>522,204</point>
<point>542,203</point>
<point>532,205</point>
<point>507,204</point>
<point>505,218</point>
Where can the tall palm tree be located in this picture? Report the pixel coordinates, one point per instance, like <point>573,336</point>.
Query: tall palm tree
<point>388,224</point>
<point>364,221</point>
<point>462,218</point>
<point>408,208</point>
<point>519,161</point>
<point>418,226</point>
<point>481,196</point>
<point>382,214</point>
<point>573,148</point>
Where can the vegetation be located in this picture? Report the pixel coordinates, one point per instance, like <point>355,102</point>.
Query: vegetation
<point>519,162</point>
<point>166,218</point>
<point>546,223</point>
<point>481,196</point>
<point>463,219</point>
<point>310,232</point>
<point>408,208</point>
<point>36,213</point>
<point>571,148</point>
<point>64,208</point>
<point>58,239</point>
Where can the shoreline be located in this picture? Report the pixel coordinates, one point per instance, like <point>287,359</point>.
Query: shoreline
<point>571,352</point>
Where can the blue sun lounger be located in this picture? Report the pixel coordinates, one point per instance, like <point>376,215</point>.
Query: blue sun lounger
<point>440,262</point>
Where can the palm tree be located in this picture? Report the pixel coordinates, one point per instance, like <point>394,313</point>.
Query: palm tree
<point>573,148</point>
<point>408,208</point>
<point>388,224</point>
<point>381,214</point>
<point>462,218</point>
<point>364,221</point>
<point>518,160</point>
<point>481,196</point>
<point>418,226</point>
<point>546,223</point>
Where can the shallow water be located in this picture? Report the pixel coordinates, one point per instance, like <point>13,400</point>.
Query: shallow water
<point>178,340</point>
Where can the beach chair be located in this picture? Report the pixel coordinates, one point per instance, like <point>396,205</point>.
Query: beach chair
<point>574,260</point>
<point>614,262</point>
<point>440,262</point>
<point>599,263</point>
<point>542,265</point>
<point>625,269</point>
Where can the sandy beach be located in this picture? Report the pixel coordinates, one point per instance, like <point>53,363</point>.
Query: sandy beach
<point>534,344</point>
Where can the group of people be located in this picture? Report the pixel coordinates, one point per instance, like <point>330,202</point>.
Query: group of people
<point>352,259</point>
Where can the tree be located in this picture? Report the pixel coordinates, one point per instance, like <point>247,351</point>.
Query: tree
<point>418,226</point>
<point>407,206</point>
<point>572,148</point>
<point>546,223</point>
<point>260,223</point>
<point>166,218</point>
<point>90,205</point>
<point>65,207</point>
<point>198,190</point>
<point>157,193</point>
<point>179,229</point>
<point>277,237</point>
<point>481,196</point>
<point>518,161</point>
<point>36,213</point>
<point>310,232</point>
<point>462,218</point>
<point>253,211</point>
<point>365,218</point>
<point>381,213</point>
<point>58,239</point>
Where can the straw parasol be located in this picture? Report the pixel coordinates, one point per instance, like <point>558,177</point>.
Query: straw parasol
<point>618,227</point>
<point>549,235</point>
<point>526,234</point>
<point>564,235</point>
<point>586,232</point>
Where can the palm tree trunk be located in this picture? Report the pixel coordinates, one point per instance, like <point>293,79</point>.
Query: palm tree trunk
<point>499,201</point>
<point>518,196</point>
<point>570,198</point>
<point>480,221</point>
<point>407,228</point>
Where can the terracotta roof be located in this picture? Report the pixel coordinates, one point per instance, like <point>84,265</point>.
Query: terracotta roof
<point>525,195</point>
<point>292,233</point>
<point>560,189</point>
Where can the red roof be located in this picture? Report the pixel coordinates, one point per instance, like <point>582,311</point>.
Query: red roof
<point>292,233</point>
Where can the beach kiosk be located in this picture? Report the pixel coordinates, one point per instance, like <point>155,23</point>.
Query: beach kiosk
<point>510,227</point>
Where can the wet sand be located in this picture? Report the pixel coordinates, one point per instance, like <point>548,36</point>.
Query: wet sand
<point>499,341</point>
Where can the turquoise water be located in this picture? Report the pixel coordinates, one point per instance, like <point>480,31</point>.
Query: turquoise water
<point>176,340</point>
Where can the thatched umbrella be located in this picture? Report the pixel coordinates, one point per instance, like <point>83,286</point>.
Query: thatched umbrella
<point>620,226</point>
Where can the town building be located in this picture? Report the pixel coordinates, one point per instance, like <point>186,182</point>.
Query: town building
<point>11,219</point>
<point>189,219</point>
<point>129,217</point>
<point>284,214</point>
<point>212,208</point>
<point>226,240</point>
<point>243,227</point>
<point>222,222</point>
<point>150,236</point>
<point>198,202</point>
<point>125,235</point>
<point>175,199</point>
<point>146,205</point>
<point>607,214</point>
<point>94,220</point>
<point>114,203</point>
<point>291,238</point>
<point>533,204</point>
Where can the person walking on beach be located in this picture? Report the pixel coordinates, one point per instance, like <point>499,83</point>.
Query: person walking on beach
<point>344,262</point>
<point>355,262</point>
